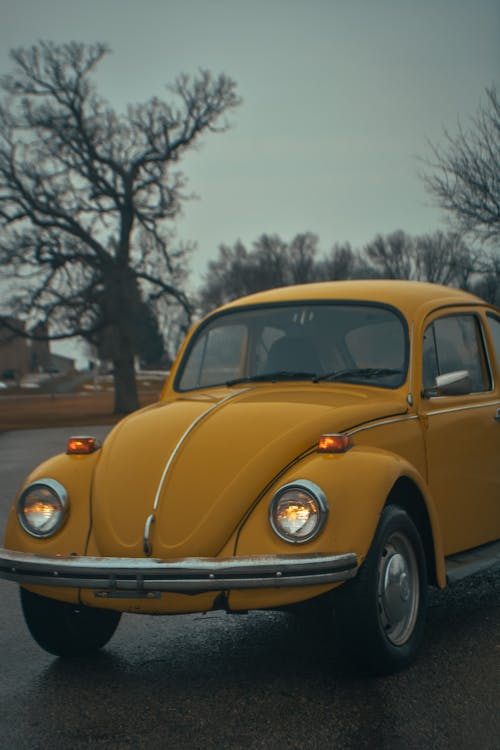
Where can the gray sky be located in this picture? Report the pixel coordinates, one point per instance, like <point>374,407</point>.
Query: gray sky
<point>339,99</point>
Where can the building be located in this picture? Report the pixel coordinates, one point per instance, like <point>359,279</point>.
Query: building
<point>20,355</point>
<point>40,350</point>
<point>15,353</point>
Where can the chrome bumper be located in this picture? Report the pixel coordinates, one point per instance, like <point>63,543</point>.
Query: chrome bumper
<point>187,576</point>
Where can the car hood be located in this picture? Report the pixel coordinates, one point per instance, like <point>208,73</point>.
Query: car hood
<point>199,462</point>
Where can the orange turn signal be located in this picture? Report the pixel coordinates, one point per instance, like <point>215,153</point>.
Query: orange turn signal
<point>78,446</point>
<point>334,443</point>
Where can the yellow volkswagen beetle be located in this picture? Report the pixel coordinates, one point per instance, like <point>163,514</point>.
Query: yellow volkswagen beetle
<point>337,440</point>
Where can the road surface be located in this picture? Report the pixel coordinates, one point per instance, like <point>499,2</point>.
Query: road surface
<point>264,680</point>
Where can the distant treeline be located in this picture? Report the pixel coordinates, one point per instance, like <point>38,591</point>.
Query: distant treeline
<point>440,257</point>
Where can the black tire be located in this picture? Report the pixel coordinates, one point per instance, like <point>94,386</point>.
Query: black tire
<point>65,629</point>
<point>382,612</point>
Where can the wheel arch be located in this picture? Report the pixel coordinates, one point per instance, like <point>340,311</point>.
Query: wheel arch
<point>407,495</point>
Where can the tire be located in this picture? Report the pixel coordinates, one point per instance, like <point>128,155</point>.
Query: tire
<point>65,629</point>
<point>382,612</point>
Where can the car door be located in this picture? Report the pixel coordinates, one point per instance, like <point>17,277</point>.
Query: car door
<point>462,429</point>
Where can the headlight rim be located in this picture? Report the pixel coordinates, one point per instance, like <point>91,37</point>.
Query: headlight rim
<point>318,495</point>
<point>62,494</point>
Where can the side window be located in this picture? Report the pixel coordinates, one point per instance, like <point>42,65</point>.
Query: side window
<point>494,323</point>
<point>454,343</point>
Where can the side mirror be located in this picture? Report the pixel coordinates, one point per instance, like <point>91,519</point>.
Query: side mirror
<point>456,383</point>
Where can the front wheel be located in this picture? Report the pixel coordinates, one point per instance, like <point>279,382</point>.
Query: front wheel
<point>65,629</point>
<point>382,611</point>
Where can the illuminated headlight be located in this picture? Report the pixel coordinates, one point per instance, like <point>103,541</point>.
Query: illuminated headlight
<point>298,511</point>
<point>42,507</point>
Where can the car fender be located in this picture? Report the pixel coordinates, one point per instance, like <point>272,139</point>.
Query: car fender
<point>358,484</point>
<point>75,474</point>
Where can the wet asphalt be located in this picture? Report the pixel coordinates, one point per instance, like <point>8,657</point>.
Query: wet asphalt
<point>262,680</point>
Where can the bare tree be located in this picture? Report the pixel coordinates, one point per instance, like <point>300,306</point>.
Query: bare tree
<point>440,258</point>
<point>464,174</point>
<point>302,262</point>
<point>85,194</point>
<point>344,263</point>
<point>488,284</point>
<point>392,255</point>
<point>271,262</point>
<point>444,258</point>
<point>226,277</point>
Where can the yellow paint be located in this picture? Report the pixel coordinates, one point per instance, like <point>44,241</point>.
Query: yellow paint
<point>207,467</point>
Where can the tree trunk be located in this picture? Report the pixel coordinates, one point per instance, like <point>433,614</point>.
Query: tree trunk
<point>121,305</point>
<point>126,399</point>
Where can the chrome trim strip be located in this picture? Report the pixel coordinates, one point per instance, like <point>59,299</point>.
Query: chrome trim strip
<point>409,397</point>
<point>150,519</point>
<point>491,314</point>
<point>469,407</point>
<point>381,423</point>
<point>486,352</point>
<point>187,575</point>
<point>184,437</point>
<point>147,531</point>
<point>408,417</point>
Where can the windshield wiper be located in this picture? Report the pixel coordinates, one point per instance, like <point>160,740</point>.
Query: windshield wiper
<point>361,372</point>
<point>273,376</point>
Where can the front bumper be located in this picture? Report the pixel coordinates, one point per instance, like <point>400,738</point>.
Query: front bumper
<point>192,575</point>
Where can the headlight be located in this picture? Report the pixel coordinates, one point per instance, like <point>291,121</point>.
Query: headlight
<point>42,507</point>
<point>298,511</point>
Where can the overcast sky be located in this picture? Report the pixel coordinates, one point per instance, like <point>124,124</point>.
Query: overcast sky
<point>339,99</point>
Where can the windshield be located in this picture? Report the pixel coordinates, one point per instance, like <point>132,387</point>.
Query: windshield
<point>352,342</point>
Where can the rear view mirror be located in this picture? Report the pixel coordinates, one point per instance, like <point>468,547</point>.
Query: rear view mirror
<point>456,383</point>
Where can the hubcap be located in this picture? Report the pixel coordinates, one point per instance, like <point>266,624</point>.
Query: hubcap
<point>398,588</point>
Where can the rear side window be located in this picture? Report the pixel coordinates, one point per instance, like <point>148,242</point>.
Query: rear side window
<point>495,334</point>
<point>455,343</point>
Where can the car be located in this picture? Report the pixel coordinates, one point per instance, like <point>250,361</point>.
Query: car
<point>332,444</point>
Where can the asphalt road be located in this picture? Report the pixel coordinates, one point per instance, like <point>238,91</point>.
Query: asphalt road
<point>264,680</point>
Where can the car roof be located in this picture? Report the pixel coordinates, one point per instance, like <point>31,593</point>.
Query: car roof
<point>407,296</point>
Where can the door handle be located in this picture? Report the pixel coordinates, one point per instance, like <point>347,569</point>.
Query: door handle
<point>497,416</point>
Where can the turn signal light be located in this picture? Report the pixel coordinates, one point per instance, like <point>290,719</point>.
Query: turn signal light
<point>82,445</point>
<point>334,443</point>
